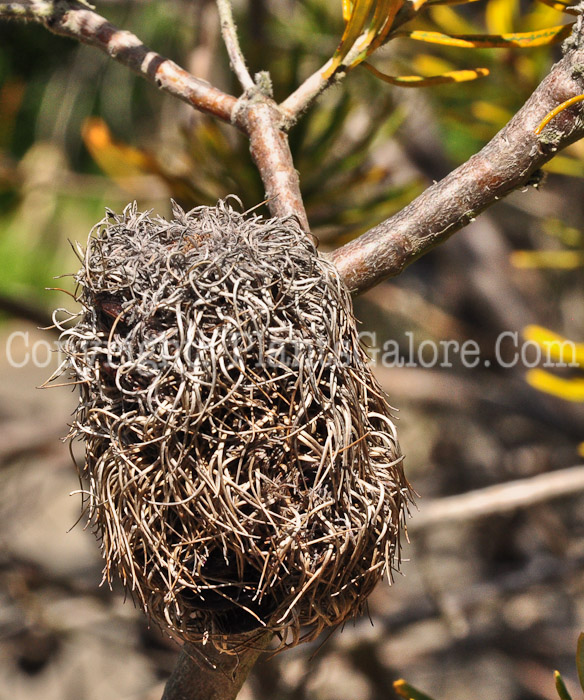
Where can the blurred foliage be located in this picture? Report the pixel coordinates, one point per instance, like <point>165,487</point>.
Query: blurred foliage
<point>468,117</point>
<point>563,353</point>
<point>559,350</point>
<point>370,23</point>
<point>80,132</point>
<point>405,690</point>
<point>569,237</point>
<point>50,187</point>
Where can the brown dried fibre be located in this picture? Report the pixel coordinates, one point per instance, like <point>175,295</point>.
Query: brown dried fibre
<point>242,465</point>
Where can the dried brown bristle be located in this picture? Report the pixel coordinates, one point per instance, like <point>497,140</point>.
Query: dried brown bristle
<point>243,467</point>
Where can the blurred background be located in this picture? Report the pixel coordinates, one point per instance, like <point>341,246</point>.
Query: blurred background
<point>487,606</point>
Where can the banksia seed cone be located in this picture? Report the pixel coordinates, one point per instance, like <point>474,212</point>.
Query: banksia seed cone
<point>243,468</point>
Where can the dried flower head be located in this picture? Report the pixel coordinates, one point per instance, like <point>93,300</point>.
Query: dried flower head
<point>243,467</point>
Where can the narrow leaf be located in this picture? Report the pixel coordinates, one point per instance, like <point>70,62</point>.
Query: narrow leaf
<point>557,110</point>
<point>543,37</point>
<point>490,113</point>
<point>118,160</point>
<point>382,10</point>
<point>500,15</point>
<point>580,652</point>
<point>557,348</point>
<point>455,76</point>
<point>388,11</point>
<point>569,235</point>
<point>347,9</point>
<point>565,165</point>
<point>405,690</point>
<point>452,22</point>
<point>353,30</point>
<point>450,2</point>
<point>561,687</point>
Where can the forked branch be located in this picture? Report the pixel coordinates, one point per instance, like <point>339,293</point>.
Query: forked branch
<point>255,113</point>
<point>511,160</point>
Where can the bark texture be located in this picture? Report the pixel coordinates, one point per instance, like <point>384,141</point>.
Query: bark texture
<point>203,673</point>
<point>511,160</point>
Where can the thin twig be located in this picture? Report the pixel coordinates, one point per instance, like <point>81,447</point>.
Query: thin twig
<point>78,21</point>
<point>499,499</point>
<point>229,32</point>
<point>301,99</point>
<point>511,160</point>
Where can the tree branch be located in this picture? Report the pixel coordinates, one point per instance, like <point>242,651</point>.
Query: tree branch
<point>499,499</point>
<point>262,121</point>
<point>78,21</point>
<point>301,99</point>
<point>509,161</point>
<point>231,42</point>
<point>203,673</point>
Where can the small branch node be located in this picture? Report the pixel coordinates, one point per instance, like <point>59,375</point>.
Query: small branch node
<point>263,82</point>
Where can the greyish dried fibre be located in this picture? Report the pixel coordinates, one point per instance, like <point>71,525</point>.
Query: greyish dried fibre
<point>242,467</point>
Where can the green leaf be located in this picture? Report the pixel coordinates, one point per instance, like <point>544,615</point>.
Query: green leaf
<point>405,690</point>
<point>561,687</point>
<point>353,29</point>
<point>580,659</point>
